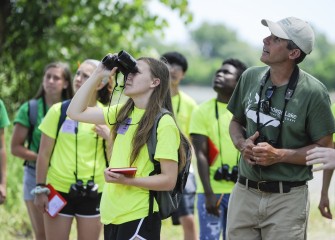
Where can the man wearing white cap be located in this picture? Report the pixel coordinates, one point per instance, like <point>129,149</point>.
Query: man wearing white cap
<point>280,112</point>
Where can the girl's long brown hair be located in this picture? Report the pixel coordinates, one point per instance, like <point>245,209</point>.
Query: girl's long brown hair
<point>160,98</point>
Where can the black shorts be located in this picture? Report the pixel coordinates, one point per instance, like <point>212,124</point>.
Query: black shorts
<point>144,228</point>
<point>81,206</point>
<point>186,205</point>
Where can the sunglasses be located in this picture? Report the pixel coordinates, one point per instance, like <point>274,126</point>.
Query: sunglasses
<point>266,103</point>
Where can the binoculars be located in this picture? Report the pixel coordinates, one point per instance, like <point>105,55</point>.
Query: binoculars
<point>123,61</point>
<point>222,173</point>
<point>78,189</point>
<point>263,138</point>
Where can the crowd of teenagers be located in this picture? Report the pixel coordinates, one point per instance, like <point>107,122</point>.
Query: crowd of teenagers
<point>254,146</point>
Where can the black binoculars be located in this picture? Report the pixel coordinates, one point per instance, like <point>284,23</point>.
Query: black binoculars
<point>123,61</point>
<point>263,138</point>
<point>222,173</point>
<point>79,190</point>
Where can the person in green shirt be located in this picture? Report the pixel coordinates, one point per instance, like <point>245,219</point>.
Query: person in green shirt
<point>125,199</point>
<point>280,112</point>
<point>55,87</point>
<point>183,106</point>
<point>209,131</point>
<point>72,161</point>
<point>4,122</point>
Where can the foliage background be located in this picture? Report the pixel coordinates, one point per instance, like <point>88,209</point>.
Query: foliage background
<point>35,33</point>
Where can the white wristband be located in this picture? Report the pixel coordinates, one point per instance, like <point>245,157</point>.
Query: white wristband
<point>39,190</point>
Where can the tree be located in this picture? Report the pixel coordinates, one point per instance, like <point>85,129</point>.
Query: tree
<point>34,33</point>
<point>216,41</point>
<point>211,37</point>
<point>321,62</point>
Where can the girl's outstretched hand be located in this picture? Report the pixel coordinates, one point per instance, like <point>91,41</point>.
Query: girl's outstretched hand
<point>321,155</point>
<point>102,130</point>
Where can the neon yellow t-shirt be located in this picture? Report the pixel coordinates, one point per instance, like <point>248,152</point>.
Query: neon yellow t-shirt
<point>63,161</point>
<point>122,203</point>
<point>183,106</point>
<point>204,122</point>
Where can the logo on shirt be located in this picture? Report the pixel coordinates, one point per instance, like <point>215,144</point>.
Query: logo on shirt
<point>264,119</point>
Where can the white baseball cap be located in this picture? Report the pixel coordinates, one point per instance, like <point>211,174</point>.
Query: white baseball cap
<point>295,29</point>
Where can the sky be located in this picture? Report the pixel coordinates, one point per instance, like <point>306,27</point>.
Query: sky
<point>244,16</point>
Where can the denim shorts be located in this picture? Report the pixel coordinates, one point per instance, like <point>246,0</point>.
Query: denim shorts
<point>211,227</point>
<point>29,183</point>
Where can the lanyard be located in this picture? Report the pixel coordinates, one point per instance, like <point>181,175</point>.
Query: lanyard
<point>178,106</point>
<point>95,154</point>
<point>291,86</point>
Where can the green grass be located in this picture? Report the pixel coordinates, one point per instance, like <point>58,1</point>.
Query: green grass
<point>318,226</point>
<point>14,223</point>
